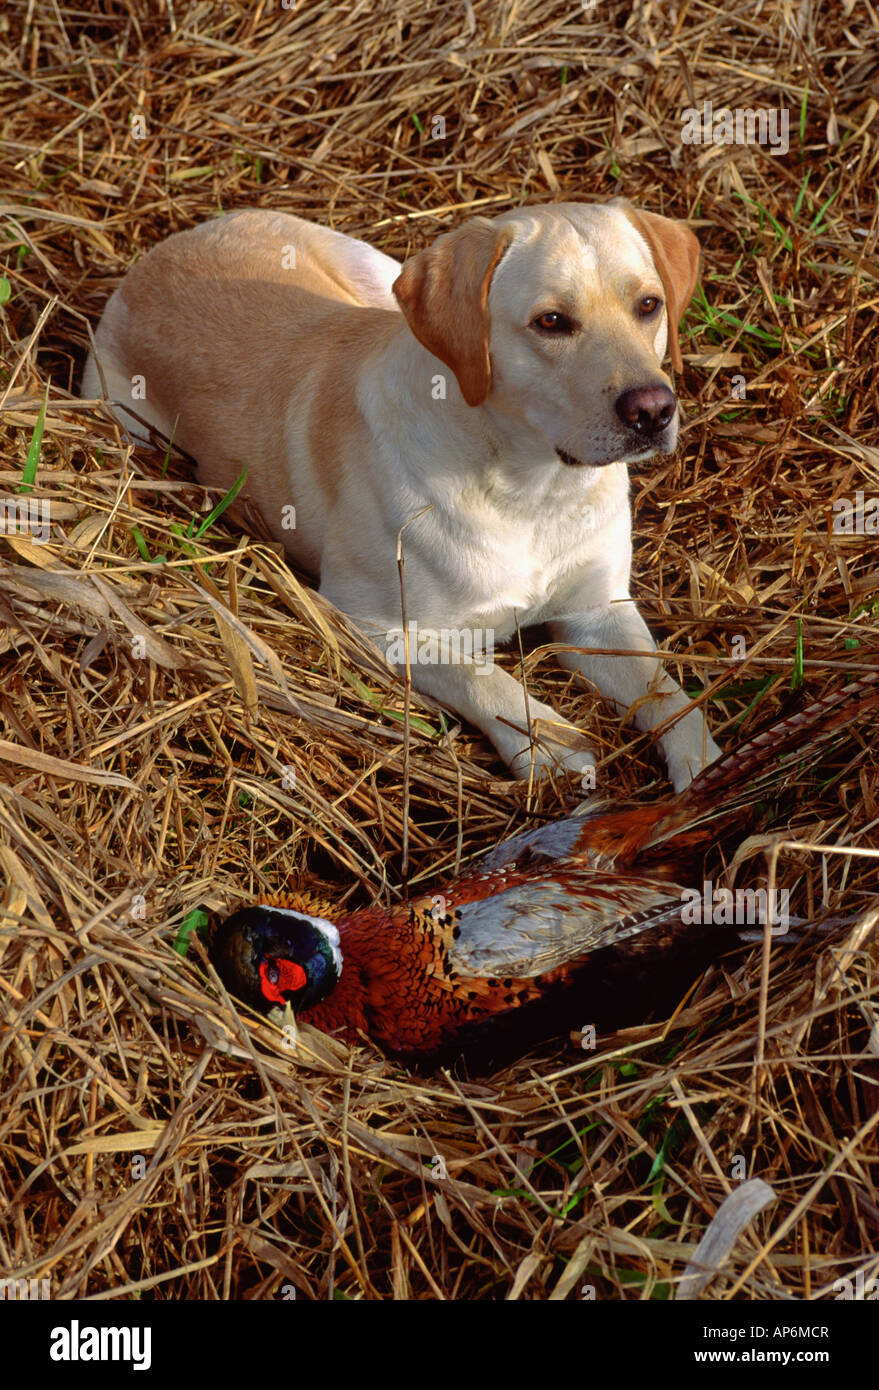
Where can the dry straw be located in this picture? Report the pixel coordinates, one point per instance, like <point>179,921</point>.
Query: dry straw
<point>184,722</point>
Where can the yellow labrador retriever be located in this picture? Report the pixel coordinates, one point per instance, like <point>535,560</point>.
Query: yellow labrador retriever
<point>494,387</point>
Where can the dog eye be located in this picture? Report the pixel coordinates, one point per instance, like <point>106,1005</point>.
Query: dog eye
<point>553,322</point>
<point>648,306</point>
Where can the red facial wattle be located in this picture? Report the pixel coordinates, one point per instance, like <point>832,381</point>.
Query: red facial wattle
<point>278,978</point>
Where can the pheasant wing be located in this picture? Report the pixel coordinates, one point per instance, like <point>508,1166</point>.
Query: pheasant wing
<point>534,927</point>
<point>556,842</point>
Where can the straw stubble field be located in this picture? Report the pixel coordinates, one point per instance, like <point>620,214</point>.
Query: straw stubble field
<point>185,723</point>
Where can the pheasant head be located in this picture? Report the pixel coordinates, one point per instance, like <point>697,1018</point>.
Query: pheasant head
<point>279,951</point>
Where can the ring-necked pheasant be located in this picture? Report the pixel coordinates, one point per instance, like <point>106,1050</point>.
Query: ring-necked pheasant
<point>576,922</point>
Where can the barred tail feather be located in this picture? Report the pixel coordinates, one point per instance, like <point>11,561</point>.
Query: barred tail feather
<point>756,762</point>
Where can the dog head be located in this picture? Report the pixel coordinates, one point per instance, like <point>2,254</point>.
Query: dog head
<point>558,318</point>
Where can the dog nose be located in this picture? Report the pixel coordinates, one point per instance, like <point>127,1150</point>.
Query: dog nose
<point>646,409</point>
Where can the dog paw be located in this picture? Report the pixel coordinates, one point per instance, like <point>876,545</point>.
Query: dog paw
<point>684,766</point>
<point>578,762</point>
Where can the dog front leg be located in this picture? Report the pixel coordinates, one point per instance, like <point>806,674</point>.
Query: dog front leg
<point>687,746</point>
<point>494,701</point>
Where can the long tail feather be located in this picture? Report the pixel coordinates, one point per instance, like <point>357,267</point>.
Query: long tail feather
<point>791,738</point>
<point>623,834</point>
<point>736,779</point>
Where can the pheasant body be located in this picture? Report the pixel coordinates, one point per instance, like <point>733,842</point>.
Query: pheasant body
<point>577,921</point>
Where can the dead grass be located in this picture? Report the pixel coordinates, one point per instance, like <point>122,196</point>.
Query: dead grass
<point>184,721</point>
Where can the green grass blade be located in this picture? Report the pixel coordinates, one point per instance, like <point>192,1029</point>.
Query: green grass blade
<point>801,195</point>
<point>194,921</point>
<point>36,444</point>
<point>797,678</point>
<point>223,503</point>
<point>141,545</point>
<point>816,220</point>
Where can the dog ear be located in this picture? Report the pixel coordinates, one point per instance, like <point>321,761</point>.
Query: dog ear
<point>675,253</point>
<point>443,293</point>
